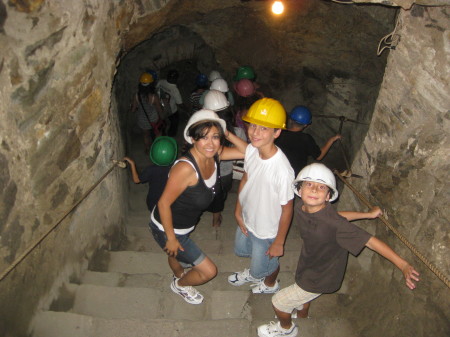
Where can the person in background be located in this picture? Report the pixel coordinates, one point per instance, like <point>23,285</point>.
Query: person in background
<point>217,102</point>
<point>216,82</point>
<point>147,106</point>
<point>247,72</point>
<point>201,85</point>
<point>163,153</point>
<point>299,146</point>
<point>246,96</point>
<point>327,239</point>
<point>171,100</point>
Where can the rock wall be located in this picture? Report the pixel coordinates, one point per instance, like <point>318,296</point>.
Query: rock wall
<point>59,133</point>
<point>406,165</point>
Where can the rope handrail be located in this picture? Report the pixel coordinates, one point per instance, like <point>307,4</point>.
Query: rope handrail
<point>22,256</point>
<point>402,238</point>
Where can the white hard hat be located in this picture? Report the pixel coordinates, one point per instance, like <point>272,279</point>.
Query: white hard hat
<point>202,115</point>
<point>219,84</point>
<point>213,75</point>
<point>215,101</point>
<point>318,173</point>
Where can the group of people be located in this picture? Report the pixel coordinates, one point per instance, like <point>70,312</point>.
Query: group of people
<point>265,208</point>
<point>156,105</point>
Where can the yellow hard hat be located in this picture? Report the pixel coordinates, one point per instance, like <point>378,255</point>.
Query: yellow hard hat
<point>146,79</point>
<point>267,112</point>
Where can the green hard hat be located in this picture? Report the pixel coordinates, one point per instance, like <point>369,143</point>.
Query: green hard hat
<point>164,151</point>
<point>244,72</point>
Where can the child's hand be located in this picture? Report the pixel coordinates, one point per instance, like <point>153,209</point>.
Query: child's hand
<point>375,212</point>
<point>275,250</point>
<point>241,224</point>
<point>338,136</point>
<point>410,275</point>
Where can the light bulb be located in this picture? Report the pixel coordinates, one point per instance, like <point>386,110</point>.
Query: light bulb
<point>277,7</point>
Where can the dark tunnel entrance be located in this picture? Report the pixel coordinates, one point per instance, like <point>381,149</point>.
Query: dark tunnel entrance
<point>298,62</point>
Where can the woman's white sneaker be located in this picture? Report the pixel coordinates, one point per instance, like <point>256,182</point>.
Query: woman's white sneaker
<point>189,294</point>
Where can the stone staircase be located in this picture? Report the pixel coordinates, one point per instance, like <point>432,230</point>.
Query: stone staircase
<point>126,293</point>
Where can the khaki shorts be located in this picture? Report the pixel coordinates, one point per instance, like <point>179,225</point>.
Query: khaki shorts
<point>292,297</point>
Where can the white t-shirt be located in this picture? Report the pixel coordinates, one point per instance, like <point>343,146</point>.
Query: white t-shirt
<point>172,90</point>
<point>268,187</point>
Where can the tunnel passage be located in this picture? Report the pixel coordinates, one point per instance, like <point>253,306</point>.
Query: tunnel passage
<point>321,53</point>
<point>317,56</point>
<point>176,47</point>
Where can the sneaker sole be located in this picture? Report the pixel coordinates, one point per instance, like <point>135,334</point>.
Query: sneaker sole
<point>266,292</point>
<point>175,290</point>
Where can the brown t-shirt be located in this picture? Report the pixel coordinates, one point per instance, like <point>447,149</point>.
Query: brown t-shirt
<point>327,239</point>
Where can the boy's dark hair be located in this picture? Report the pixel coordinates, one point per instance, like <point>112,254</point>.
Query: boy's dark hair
<point>292,123</point>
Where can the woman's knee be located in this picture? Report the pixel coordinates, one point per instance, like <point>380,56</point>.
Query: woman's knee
<point>207,269</point>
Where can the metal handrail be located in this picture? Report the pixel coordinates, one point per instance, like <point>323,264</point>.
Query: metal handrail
<point>22,256</point>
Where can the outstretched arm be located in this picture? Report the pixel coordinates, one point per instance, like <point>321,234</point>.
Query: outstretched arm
<point>134,173</point>
<point>236,152</point>
<point>326,147</point>
<point>374,212</point>
<point>384,250</point>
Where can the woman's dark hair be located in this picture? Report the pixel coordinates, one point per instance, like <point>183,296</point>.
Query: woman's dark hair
<point>201,129</point>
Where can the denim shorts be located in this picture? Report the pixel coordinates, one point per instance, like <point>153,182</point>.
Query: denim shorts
<point>192,254</point>
<point>261,265</point>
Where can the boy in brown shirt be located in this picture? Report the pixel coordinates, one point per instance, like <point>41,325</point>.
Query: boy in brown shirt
<point>327,239</point>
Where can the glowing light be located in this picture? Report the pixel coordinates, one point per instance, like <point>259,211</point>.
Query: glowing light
<point>277,7</point>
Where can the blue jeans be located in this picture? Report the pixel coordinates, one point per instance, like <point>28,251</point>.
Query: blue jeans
<point>192,254</point>
<point>261,265</point>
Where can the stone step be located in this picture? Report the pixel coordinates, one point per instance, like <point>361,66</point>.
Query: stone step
<point>146,303</point>
<point>132,262</point>
<point>313,327</point>
<point>236,300</point>
<point>153,280</point>
<point>58,324</point>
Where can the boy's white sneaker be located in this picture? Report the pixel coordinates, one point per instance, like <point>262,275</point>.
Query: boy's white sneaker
<point>262,288</point>
<point>241,277</point>
<point>189,294</point>
<point>275,330</point>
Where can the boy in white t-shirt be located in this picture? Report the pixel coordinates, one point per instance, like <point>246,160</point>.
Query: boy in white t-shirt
<point>265,202</point>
